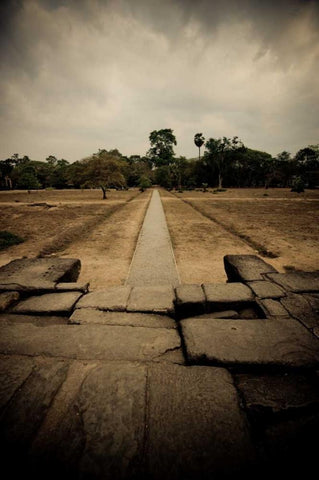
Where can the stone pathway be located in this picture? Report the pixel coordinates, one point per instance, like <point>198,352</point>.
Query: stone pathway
<point>154,262</point>
<point>156,382</point>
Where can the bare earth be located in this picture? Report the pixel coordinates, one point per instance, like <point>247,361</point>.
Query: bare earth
<point>280,226</point>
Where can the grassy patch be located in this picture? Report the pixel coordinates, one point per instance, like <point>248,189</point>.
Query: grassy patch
<point>8,239</point>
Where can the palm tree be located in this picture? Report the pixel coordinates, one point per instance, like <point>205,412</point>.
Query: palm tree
<point>199,141</point>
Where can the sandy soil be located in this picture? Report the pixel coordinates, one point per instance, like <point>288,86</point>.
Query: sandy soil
<point>74,218</point>
<point>282,227</point>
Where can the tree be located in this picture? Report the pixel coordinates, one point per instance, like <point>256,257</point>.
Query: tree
<point>199,141</point>
<point>104,171</point>
<point>221,150</point>
<point>162,143</point>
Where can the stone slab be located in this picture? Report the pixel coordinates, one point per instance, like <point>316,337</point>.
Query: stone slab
<point>27,408</point>
<point>85,316</point>
<point>297,282</point>
<point>273,308</point>
<point>38,273</point>
<point>13,373</point>
<point>112,407</point>
<point>300,308</point>
<point>38,320</point>
<point>72,286</point>
<point>246,268</point>
<point>226,296</point>
<point>272,342</point>
<point>190,301</point>
<point>264,289</point>
<point>49,303</point>
<point>152,299</point>
<point>278,393</point>
<point>196,429</point>
<point>85,342</point>
<point>113,299</point>
<point>7,299</point>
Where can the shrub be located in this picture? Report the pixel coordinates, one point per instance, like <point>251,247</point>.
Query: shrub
<point>8,239</point>
<point>298,185</point>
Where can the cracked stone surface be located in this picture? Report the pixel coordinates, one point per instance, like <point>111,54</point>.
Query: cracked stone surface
<point>49,303</point>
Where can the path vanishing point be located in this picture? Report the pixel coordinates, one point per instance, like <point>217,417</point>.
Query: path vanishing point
<point>156,379</point>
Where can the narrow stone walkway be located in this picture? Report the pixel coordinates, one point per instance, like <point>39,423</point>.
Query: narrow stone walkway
<point>153,262</point>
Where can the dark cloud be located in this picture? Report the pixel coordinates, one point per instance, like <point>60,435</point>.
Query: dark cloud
<point>78,75</point>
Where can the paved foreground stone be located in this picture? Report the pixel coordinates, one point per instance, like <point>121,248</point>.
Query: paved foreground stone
<point>155,382</point>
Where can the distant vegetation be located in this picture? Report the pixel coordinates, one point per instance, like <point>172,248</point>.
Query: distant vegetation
<point>225,162</point>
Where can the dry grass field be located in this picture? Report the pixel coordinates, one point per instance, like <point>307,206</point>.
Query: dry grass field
<point>277,224</point>
<point>280,226</point>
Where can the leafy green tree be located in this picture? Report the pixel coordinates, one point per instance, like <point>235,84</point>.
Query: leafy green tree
<point>219,151</point>
<point>163,176</point>
<point>199,140</point>
<point>162,146</point>
<point>103,170</point>
<point>26,177</point>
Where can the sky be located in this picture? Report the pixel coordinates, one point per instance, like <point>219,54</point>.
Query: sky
<point>79,75</point>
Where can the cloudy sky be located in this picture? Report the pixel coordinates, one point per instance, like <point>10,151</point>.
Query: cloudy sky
<point>79,75</point>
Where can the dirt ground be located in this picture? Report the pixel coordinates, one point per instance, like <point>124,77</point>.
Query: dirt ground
<point>280,226</point>
<point>77,224</point>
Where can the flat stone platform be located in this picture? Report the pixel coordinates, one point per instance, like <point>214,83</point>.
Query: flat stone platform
<point>209,381</point>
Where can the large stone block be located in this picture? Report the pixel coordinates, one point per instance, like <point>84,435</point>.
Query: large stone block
<point>299,307</point>
<point>113,299</point>
<point>195,427</point>
<point>152,299</point>
<point>49,303</point>
<point>29,274</point>
<point>88,342</point>
<point>278,393</point>
<point>190,301</point>
<point>273,308</point>
<point>13,373</point>
<point>264,289</point>
<point>272,342</point>
<point>246,268</point>
<point>297,282</point>
<point>86,316</point>
<point>227,296</point>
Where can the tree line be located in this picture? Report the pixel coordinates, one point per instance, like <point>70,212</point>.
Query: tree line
<point>225,162</point>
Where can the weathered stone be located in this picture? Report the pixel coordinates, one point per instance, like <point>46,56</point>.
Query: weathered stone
<point>224,314</point>
<point>196,429</point>
<point>190,301</point>
<point>112,406</point>
<point>225,296</point>
<point>113,299</point>
<point>278,392</point>
<point>38,320</point>
<point>59,443</point>
<point>246,268</point>
<point>249,313</point>
<point>28,407</point>
<point>273,308</point>
<point>297,282</point>
<point>84,316</point>
<point>13,373</point>
<point>7,299</point>
<point>300,308</point>
<point>264,289</point>
<point>275,341</point>
<point>313,301</point>
<point>29,274</point>
<point>85,342</point>
<point>72,286</point>
<point>56,303</point>
<point>152,299</point>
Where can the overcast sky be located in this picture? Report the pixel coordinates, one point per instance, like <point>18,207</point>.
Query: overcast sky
<point>80,75</point>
